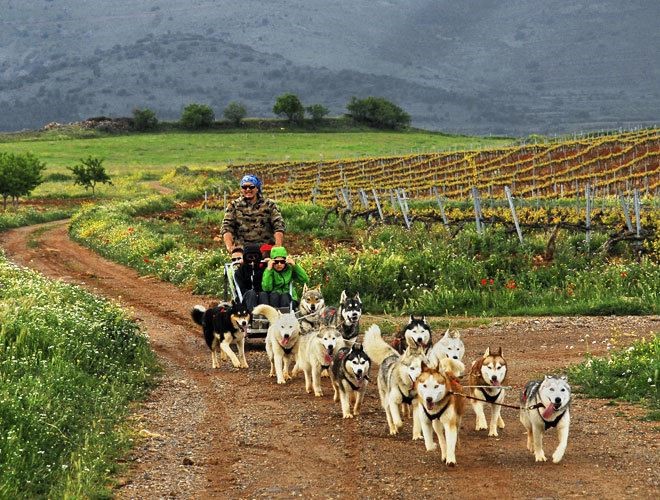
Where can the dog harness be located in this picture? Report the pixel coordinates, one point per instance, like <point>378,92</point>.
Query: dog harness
<point>489,398</point>
<point>435,416</point>
<point>287,350</point>
<point>406,399</point>
<point>551,423</point>
<point>349,332</point>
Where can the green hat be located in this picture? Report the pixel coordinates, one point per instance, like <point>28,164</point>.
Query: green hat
<point>277,252</point>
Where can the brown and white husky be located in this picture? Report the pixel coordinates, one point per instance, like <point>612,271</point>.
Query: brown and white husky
<point>438,409</point>
<point>488,372</point>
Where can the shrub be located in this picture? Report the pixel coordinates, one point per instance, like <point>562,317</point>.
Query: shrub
<point>290,106</point>
<point>378,112</point>
<point>196,116</point>
<point>317,112</point>
<point>235,112</point>
<point>89,173</point>
<point>144,119</point>
<point>19,175</point>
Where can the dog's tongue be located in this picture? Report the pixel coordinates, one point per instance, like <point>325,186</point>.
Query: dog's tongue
<point>496,383</point>
<point>285,340</point>
<point>547,413</point>
<point>327,359</point>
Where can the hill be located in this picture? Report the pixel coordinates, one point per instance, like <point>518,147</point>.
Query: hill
<point>512,67</point>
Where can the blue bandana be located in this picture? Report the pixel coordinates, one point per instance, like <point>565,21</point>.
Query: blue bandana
<point>251,179</point>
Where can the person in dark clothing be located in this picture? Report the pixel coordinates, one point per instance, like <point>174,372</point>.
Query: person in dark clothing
<point>249,275</point>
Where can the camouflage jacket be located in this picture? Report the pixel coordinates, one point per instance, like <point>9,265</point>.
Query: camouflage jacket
<point>252,223</point>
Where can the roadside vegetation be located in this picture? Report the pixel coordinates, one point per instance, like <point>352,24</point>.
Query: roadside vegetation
<point>70,364</point>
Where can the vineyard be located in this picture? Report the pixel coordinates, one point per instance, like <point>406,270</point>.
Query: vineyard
<point>608,164</point>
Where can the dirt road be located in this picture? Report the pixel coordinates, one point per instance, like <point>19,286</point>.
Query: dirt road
<point>236,434</point>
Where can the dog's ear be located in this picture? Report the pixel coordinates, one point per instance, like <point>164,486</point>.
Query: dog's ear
<point>412,318</point>
<point>487,352</point>
<point>342,297</point>
<point>305,289</point>
<point>423,320</point>
<point>446,335</point>
<point>456,335</point>
<point>564,378</point>
<point>317,287</point>
<point>357,297</point>
<point>499,352</point>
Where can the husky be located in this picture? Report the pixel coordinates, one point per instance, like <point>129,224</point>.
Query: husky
<point>281,340</point>
<point>488,371</point>
<point>316,350</point>
<point>438,409</point>
<point>396,375</point>
<point>416,333</point>
<point>350,377</point>
<point>449,346</point>
<point>544,404</point>
<point>223,325</point>
<point>311,308</point>
<point>350,312</point>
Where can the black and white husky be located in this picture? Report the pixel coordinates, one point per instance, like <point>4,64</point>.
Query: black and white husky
<point>350,312</point>
<point>350,377</point>
<point>396,375</point>
<point>223,325</point>
<point>545,404</point>
<point>417,333</point>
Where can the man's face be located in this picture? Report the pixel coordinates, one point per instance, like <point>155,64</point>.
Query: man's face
<point>249,191</point>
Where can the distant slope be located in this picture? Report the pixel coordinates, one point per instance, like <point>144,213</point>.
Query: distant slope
<point>476,66</point>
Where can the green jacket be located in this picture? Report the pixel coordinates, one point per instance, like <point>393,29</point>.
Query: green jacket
<point>274,281</point>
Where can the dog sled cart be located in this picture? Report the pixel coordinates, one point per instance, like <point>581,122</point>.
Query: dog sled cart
<point>258,327</point>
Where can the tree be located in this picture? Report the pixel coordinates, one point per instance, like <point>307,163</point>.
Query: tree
<point>144,119</point>
<point>377,112</point>
<point>19,175</point>
<point>290,106</point>
<point>196,116</point>
<point>89,173</point>
<point>235,112</point>
<point>317,112</point>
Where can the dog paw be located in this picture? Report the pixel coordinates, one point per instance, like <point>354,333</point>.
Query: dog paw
<point>540,458</point>
<point>493,433</point>
<point>451,463</point>
<point>433,447</point>
<point>480,427</point>
<point>318,394</point>
<point>281,381</point>
<point>500,423</point>
<point>417,437</point>
<point>348,415</point>
<point>556,457</point>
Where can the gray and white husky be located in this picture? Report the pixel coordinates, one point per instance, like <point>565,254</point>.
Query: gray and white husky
<point>416,333</point>
<point>316,350</point>
<point>311,308</point>
<point>545,404</point>
<point>350,377</point>
<point>449,346</point>
<point>396,375</point>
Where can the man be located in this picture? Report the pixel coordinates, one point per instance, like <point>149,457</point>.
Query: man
<point>251,218</point>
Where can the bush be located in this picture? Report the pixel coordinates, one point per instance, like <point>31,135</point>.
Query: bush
<point>89,173</point>
<point>196,116</point>
<point>144,119</point>
<point>317,112</point>
<point>290,106</point>
<point>19,175</point>
<point>235,112</point>
<point>378,112</point>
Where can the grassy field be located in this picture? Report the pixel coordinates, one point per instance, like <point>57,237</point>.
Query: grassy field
<point>159,152</point>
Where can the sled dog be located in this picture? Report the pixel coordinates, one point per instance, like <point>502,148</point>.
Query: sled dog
<point>223,325</point>
<point>416,333</point>
<point>350,377</point>
<point>350,312</point>
<point>396,375</point>
<point>316,350</point>
<point>281,340</point>
<point>312,306</point>
<point>449,346</point>
<point>545,404</point>
<point>438,409</point>
<point>488,371</point>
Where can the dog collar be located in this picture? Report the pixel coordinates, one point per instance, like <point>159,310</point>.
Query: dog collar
<point>435,416</point>
<point>406,399</point>
<point>349,331</point>
<point>325,367</point>
<point>489,398</point>
<point>287,350</point>
<point>551,423</point>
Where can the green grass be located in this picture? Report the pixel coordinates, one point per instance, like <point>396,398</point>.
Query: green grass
<point>159,152</point>
<point>70,365</point>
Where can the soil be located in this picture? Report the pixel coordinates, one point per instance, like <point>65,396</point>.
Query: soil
<point>225,433</point>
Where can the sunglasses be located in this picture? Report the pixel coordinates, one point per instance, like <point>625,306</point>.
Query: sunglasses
<point>247,187</point>
<point>281,262</point>
<point>236,259</point>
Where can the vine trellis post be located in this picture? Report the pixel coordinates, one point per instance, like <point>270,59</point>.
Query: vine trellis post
<point>478,215</point>
<point>509,197</point>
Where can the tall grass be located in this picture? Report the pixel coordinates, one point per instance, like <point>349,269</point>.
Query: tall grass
<point>70,363</point>
<point>631,374</point>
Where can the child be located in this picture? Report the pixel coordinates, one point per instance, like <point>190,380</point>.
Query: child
<point>280,272</point>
